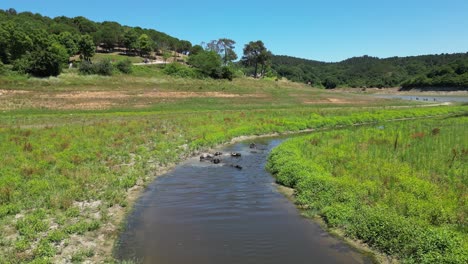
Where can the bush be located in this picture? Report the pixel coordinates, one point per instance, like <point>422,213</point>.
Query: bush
<point>124,66</point>
<point>179,70</point>
<point>330,83</point>
<point>86,67</point>
<point>40,64</point>
<point>103,67</point>
<point>227,73</point>
<point>207,62</point>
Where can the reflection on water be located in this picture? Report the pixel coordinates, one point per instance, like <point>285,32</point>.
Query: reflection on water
<point>206,213</point>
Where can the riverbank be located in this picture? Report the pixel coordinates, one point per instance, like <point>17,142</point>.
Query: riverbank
<point>398,91</point>
<point>70,175</point>
<point>386,191</point>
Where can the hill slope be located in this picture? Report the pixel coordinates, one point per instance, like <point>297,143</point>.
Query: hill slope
<point>449,71</point>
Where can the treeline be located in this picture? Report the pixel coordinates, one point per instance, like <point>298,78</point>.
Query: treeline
<point>447,77</point>
<point>40,45</point>
<point>215,59</point>
<point>427,72</point>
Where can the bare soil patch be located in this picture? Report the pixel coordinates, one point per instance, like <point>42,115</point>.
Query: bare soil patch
<point>338,101</point>
<point>99,100</point>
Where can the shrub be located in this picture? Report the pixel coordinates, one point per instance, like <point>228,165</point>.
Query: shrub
<point>179,70</point>
<point>86,67</point>
<point>227,73</point>
<point>42,63</point>
<point>103,67</point>
<point>124,66</point>
<point>207,62</point>
<point>330,83</point>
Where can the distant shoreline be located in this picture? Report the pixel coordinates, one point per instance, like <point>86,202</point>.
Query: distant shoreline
<point>396,90</point>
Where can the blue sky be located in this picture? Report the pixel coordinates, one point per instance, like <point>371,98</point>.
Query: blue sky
<point>326,30</point>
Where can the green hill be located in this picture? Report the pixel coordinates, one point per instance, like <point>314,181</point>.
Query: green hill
<point>428,72</point>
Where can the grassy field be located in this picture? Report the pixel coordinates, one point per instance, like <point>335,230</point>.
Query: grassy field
<point>399,187</point>
<point>116,57</point>
<point>76,151</point>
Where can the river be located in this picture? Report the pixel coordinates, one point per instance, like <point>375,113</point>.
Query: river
<point>206,213</point>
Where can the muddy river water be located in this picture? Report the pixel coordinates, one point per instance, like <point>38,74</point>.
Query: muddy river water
<point>206,213</point>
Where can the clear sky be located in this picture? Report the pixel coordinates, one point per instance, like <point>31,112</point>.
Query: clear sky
<point>326,30</point>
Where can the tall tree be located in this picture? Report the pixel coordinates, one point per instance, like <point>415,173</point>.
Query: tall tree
<point>195,50</point>
<point>86,47</point>
<point>255,53</point>
<point>145,44</point>
<point>69,41</point>
<point>213,46</point>
<point>184,47</point>
<point>131,40</point>
<point>84,25</point>
<point>227,47</point>
<point>224,47</point>
<point>109,35</point>
<point>14,43</point>
<point>264,59</point>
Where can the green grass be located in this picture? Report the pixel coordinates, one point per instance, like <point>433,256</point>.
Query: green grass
<point>66,172</point>
<point>116,57</point>
<point>399,187</point>
<point>50,169</point>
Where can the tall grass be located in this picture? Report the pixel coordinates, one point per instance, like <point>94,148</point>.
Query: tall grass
<point>399,187</point>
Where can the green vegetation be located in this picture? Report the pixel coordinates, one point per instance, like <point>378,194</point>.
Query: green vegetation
<point>255,54</point>
<point>41,46</point>
<point>63,174</point>
<point>399,187</point>
<point>453,75</point>
<point>425,72</point>
<point>79,144</point>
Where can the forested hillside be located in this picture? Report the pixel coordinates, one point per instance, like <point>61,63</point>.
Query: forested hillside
<point>39,45</point>
<point>445,71</point>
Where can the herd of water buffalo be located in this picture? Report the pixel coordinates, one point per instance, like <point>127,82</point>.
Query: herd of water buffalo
<point>216,157</point>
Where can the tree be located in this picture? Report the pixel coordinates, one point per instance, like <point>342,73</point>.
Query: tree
<point>213,46</point>
<point>14,42</point>
<point>255,53</point>
<point>84,25</point>
<point>131,40</point>
<point>330,83</point>
<point>227,47</point>
<point>12,11</point>
<point>224,47</point>
<point>69,41</point>
<point>184,47</point>
<point>207,62</point>
<point>145,44</point>
<point>86,47</point>
<point>109,34</point>
<point>44,62</point>
<point>264,58</point>
<point>195,50</point>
